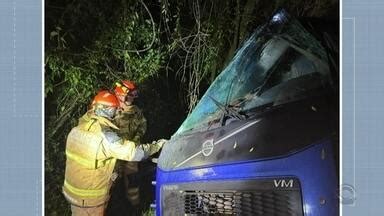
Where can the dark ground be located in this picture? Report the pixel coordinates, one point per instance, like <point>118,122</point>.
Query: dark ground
<point>120,206</point>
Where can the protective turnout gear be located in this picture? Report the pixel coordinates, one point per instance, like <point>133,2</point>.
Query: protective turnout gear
<point>132,180</point>
<point>131,122</point>
<point>132,125</point>
<point>94,211</point>
<point>92,149</point>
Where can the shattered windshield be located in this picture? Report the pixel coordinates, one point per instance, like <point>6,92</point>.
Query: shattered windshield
<point>279,56</point>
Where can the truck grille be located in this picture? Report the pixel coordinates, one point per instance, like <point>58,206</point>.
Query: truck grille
<point>238,203</point>
<point>243,200</point>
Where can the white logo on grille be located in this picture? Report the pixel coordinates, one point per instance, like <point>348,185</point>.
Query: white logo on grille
<point>282,183</point>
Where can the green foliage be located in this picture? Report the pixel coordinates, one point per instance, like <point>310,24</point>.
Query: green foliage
<point>74,74</point>
<point>149,212</point>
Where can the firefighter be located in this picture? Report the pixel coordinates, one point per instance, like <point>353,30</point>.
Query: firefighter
<point>132,125</point>
<point>92,149</point>
<point>129,117</point>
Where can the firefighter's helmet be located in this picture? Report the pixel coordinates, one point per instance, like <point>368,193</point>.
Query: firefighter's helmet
<point>105,104</point>
<point>126,87</point>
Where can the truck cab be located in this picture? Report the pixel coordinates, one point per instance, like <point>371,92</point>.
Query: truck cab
<point>263,138</point>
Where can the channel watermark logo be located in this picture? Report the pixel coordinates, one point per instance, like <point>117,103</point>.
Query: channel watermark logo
<point>347,194</point>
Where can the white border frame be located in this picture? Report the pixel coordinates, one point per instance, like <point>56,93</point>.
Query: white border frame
<point>42,108</point>
<point>340,106</point>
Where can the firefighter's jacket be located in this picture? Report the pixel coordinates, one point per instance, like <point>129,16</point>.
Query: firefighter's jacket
<point>131,122</point>
<point>92,149</point>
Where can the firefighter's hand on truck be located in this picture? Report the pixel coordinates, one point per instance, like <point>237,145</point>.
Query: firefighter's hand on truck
<point>161,142</point>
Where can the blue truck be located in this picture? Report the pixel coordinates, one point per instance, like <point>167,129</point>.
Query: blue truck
<point>263,139</point>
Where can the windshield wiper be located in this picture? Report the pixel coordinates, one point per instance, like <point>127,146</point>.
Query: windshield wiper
<point>228,111</point>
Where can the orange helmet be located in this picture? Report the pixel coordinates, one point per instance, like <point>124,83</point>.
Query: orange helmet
<point>105,98</point>
<point>126,87</point>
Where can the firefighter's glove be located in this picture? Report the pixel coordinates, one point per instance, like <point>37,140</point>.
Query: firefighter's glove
<point>161,142</point>
<point>157,145</point>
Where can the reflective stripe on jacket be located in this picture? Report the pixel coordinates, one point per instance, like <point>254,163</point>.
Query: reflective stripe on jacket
<point>92,149</point>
